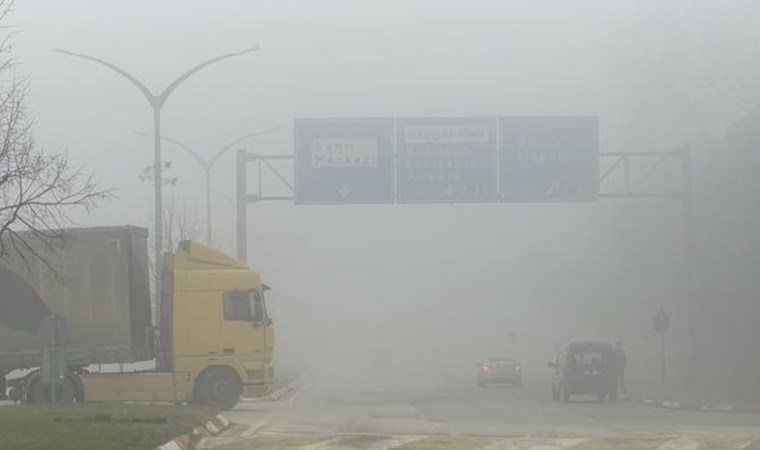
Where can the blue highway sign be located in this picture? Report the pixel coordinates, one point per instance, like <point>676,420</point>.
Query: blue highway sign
<point>549,158</point>
<point>344,160</point>
<point>446,160</point>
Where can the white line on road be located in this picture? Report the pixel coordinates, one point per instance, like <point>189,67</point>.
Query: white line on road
<point>398,441</point>
<point>387,443</point>
<point>536,444</point>
<point>429,420</point>
<point>323,444</point>
<point>254,429</point>
<point>688,443</point>
<point>295,395</point>
<point>682,443</point>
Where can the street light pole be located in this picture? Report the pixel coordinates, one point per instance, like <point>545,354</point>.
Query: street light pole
<point>208,164</point>
<point>158,209</point>
<point>208,204</point>
<point>157,102</point>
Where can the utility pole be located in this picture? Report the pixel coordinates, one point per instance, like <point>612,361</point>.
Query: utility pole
<point>661,324</point>
<point>688,224</point>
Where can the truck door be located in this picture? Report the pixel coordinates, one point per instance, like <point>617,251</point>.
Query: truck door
<point>245,324</point>
<point>269,330</point>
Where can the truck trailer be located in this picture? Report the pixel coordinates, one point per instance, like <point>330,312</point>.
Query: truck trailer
<point>212,344</point>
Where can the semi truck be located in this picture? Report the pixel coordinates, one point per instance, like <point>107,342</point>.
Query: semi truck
<point>212,343</point>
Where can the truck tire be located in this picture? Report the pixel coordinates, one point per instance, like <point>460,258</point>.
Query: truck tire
<point>68,391</point>
<point>219,387</point>
<point>15,395</point>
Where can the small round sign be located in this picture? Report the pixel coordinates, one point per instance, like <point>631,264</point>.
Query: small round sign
<point>661,322</point>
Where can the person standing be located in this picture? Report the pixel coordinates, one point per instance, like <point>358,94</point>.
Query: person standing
<point>621,360</point>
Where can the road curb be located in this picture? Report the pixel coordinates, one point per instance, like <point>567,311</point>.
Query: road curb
<point>705,407</point>
<point>188,441</point>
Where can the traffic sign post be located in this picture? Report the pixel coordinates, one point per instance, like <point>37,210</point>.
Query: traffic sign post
<point>549,158</point>
<point>661,321</point>
<point>446,160</point>
<point>661,324</point>
<point>54,332</point>
<point>344,160</point>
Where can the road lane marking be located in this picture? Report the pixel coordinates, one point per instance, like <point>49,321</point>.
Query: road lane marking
<point>381,442</point>
<point>322,444</point>
<point>397,441</point>
<point>430,420</point>
<point>295,395</point>
<point>536,444</point>
<point>709,441</point>
<point>681,443</point>
<point>254,429</point>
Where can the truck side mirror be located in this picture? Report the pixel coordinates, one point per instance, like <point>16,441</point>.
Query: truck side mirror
<point>261,323</point>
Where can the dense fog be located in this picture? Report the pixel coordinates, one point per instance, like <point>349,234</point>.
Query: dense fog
<point>441,287</point>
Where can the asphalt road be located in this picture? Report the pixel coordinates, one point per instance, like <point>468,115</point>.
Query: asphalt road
<point>469,417</point>
<point>531,407</point>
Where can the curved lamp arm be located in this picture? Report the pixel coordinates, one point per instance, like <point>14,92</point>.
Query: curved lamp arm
<point>146,92</point>
<point>179,144</point>
<point>241,138</point>
<point>208,164</point>
<point>174,84</point>
<point>158,100</point>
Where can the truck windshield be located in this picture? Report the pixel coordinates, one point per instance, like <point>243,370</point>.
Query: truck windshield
<point>245,306</point>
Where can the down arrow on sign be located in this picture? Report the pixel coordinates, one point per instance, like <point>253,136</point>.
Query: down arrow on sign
<point>344,191</point>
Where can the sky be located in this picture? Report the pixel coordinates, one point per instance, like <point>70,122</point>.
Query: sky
<point>370,271</point>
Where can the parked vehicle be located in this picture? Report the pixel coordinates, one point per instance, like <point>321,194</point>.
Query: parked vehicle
<point>215,336</point>
<point>585,368</point>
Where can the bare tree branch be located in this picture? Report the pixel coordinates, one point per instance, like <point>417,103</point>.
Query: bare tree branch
<point>38,190</point>
<point>181,223</point>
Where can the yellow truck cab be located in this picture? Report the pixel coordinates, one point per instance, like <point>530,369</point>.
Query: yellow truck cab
<point>216,327</point>
<point>215,336</point>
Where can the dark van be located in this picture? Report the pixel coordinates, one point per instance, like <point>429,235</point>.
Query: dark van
<point>585,368</point>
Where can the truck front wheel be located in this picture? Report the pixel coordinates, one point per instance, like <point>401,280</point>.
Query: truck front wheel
<point>219,387</point>
<point>68,391</point>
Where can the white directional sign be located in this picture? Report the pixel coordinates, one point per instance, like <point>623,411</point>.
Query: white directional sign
<point>344,160</point>
<point>549,158</point>
<point>446,160</point>
<point>343,152</point>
